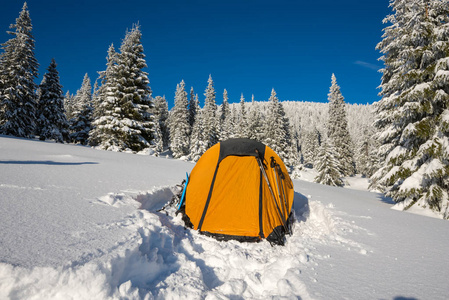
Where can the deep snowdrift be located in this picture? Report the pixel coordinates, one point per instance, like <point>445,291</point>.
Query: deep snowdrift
<point>78,223</point>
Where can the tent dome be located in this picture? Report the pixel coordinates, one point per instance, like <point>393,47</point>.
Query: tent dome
<point>239,189</point>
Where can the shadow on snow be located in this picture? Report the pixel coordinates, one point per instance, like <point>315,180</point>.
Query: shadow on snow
<point>44,162</point>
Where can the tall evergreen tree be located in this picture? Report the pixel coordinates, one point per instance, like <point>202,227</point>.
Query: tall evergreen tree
<point>158,141</point>
<point>366,158</point>
<point>135,120</point>
<point>296,145</point>
<point>96,99</point>
<point>255,128</point>
<point>209,116</point>
<point>338,130</point>
<point>234,118</point>
<point>327,166</point>
<point>68,105</point>
<point>179,123</point>
<point>412,114</point>
<point>51,119</point>
<point>193,106</point>
<point>277,130</point>
<point>18,70</point>
<point>161,114</point>
<point>226,125</point>
<point>310,147</point>
<point>80,124</point>
<point>106,133</point>
<point>198,144</point>
<point>242,127</point>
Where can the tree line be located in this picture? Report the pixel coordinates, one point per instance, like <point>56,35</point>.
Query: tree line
<point>119,112</point>
<point>404,151</point>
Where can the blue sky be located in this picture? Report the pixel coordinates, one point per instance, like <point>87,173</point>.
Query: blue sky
<point>248,46</point>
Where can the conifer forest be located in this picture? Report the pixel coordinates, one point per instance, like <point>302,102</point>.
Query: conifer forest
<point>400,142</point>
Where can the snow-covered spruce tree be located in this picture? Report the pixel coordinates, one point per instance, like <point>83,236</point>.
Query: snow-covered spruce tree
<point>51,120</point>
<point>310,147</point>
<point>105,133</point>
<point>133,121</point>
<point>255,128</point>
<point>307,150</point>
<point>157,142</point>
<point>209,116</point>
<point>293,154</point>
<point>366,156</point>
<point>234,118</point>
<point>337,129</point>
<point>80,124</point>
<point>296,145</point>
<point>412,116</point>
<point>96,99</point>
<point>68,105</point>
<point>226,124</point>
<point>277,130</point>
<point>18,70</point>
<point>179,123</point>
<point>242,125</point>
<point>160,112</point>
<point>197,141</point>
<point>327,165</point>
<point>193,106</point>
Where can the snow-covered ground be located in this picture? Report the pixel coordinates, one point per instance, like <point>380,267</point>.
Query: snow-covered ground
<point>78,223</point>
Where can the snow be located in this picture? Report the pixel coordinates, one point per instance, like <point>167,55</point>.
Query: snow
<point>80,223</point>
<point>415,181</point>
<point>445,116</point>
<point>357,183</point>
<point>442,76</point>
<point>397,152</point>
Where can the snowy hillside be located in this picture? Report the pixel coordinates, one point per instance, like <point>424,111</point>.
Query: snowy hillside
<point>79,223</point>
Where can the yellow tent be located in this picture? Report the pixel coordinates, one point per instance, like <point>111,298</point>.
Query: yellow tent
<point>239,189</point>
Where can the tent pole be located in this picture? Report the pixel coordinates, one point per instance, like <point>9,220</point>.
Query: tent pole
<point>278,182</point>
<point>262,169</point>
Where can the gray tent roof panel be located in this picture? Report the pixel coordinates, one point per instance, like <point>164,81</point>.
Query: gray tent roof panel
<point>241,147</point>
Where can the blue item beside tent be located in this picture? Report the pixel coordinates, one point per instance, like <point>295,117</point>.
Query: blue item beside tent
<point>184,191</point>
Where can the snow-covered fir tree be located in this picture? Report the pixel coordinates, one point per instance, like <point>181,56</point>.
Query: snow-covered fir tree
<point>337,130</point>
<point>310,147</point>
<point>277,130</point>
<point>198,144</point>
<point>105,133</point>
<point>18,70</point>
<point>68,105</point>
<point>158,141</point>
<point>366,156</point>
<point>51,119</point>
<point>193,106</point>
<point>273,127</point>
<point>179,123</point>
<point>327,165</point>
<point>160,112</point>
<point>293,155</point>
<point>135,120</point>
<point>129,123</point>
<point>209,116</point>
<point>412,116</point>
<point>255,128</point>
<point>234,118</point>
<point>96,99</point>
<point>242,125</point>
<point>226,124</point>
<point>80,124</point>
